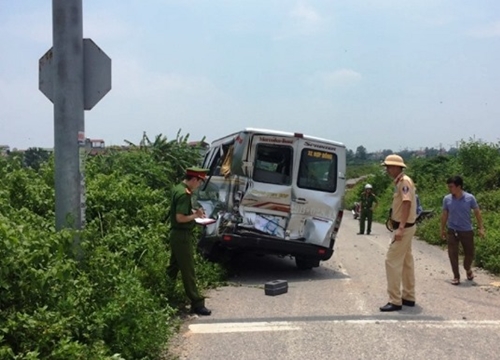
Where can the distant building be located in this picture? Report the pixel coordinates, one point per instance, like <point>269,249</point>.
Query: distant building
<point>202,145</point>
<point>4,150</point>
<point>94,146</point>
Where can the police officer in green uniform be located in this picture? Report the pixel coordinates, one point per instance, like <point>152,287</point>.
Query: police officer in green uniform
<point>182,222</point>
<point>368,203</point>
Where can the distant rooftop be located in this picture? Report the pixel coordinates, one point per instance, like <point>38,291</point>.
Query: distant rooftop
<point>198,143</point>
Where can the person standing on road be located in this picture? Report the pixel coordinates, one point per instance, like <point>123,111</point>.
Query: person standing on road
<point>368,203</point>
<point>456,226</point>
<point>399,264</point>
<point>182,222</point>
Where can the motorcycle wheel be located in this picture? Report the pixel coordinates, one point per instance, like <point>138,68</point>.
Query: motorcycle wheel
<point>388,225</point>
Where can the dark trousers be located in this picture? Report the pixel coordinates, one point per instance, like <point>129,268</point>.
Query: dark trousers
<point>366,215</point>
<point>466,238</point>
<point>181,259</point>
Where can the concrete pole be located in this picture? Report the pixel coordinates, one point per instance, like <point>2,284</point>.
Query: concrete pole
<point>68,113</point>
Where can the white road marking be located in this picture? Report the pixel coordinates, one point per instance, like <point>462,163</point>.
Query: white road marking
<point>426,323</point>
<point>241,327</point>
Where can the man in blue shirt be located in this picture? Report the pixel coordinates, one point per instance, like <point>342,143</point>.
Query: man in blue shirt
<point>456,226</point>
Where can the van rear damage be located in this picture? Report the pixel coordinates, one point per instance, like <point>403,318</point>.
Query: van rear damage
<point>274,193</point>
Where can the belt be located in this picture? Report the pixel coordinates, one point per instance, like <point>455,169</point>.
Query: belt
<point>395,224</point>
<point>456,232</point>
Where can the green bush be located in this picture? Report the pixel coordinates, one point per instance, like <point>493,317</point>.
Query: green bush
<point>117,302</point>
<point>488,249</point>
<point>356,171</point>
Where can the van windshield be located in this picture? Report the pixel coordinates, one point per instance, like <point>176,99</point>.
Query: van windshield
<point>318,171</point>
<point>273,164</point>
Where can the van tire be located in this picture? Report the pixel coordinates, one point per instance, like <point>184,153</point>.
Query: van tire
<point>214,253</point>
<point>306,264</point>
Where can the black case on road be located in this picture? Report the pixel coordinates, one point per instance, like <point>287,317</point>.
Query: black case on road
<point>276,287</point>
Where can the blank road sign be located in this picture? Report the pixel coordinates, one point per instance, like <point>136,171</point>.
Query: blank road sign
<point>97,74</point>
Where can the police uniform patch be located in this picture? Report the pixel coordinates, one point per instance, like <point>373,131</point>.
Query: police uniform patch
<point>405,189</point>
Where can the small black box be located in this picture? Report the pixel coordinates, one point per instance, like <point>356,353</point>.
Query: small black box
<point>276,287</point>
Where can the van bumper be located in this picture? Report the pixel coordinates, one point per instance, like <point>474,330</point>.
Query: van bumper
<point>276,246</point>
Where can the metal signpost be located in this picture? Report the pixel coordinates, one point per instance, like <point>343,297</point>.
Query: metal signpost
<point>74,74</point>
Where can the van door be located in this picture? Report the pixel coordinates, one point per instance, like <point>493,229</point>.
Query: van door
<point>316,194</point>
<point>266,202</point>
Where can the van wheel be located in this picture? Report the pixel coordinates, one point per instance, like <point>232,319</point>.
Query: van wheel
<point>306,264</point>
<point>214,253</point>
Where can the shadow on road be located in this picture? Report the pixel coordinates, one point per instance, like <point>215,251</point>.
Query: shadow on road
<point>251,269</point>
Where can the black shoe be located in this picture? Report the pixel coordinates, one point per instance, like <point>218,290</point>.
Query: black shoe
<point>201,310</point>
<point>360,233</point>
<point>368,233</point>
<point>408,303</point>
<point>390,307</point>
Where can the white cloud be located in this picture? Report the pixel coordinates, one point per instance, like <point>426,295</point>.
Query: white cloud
<point>306,14</point>
<point>337,78</point>
<point>307,19</point>
<point>486,31</point>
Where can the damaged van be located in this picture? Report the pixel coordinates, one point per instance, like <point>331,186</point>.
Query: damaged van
<point>273,192</point>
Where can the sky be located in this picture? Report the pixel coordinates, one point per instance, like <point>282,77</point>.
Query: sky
<point>385,74</point>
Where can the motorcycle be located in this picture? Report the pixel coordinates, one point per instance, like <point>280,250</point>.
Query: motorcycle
<point>422,215</point>
<point>356,210</point>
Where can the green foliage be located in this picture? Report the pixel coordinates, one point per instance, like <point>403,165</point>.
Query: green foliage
<point>35,157</point>
<point>357,171</point>
<point>116,303</point>
<point>479,164</point>
<point>488,249</point>
<point>430,231</point>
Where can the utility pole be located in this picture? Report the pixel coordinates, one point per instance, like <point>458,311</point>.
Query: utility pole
<point>74,74</point>
<point>69,128</point>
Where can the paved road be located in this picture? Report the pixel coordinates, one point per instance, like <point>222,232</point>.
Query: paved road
<point>332,311</point>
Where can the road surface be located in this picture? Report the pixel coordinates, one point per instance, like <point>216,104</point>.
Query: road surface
<point>332,312</point>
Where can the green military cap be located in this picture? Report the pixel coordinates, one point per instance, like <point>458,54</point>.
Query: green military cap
<point>197,172</point>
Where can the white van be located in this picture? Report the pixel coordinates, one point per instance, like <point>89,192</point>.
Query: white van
<point>273,192</point>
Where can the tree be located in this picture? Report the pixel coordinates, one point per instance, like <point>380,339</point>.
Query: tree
<point>387,152</point>
<point>480,164</point>
<point>34,157</point>
<point>431,152</point>
<point>361,153</point>
<point>349,155</point>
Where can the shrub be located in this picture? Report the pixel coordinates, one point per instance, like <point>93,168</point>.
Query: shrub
<point>117,302</point>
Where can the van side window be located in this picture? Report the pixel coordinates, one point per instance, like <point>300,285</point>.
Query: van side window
<point>318,170</point>
<point>273,164</point>
<point>217,157</point>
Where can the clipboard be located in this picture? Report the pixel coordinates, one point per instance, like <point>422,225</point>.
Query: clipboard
<point>204,221</point>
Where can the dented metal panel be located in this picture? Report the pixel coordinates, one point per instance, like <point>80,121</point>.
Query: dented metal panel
<point>284,186</point>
